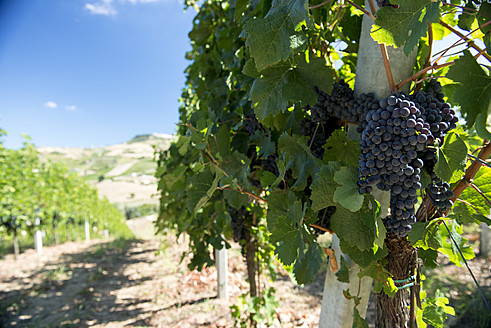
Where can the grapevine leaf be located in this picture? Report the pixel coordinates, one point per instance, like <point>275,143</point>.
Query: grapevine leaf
<point>451,158</point>
<point>240,6</point>
<point>308,264</point>
<point>284,207</point>
<point>405,25</point>
<point>429,257</point>
<point>223,140</point>
<point>449,247</point>
<point>289,239</point>
<point>358,321</point>
<point>483,17</point>
<point>382,278</point>
<point>426,235</point>
<point>340,148</point>
<point>183,144</point>
<point>350,228</point>
<point>474,93</point>
<point>343,272</point>
<point>347,193</point>
<point>266,146</point>
<point>363,258</point>
<point>478,204</point>
<point>273,38</point>
<point>323,187</point>
<point>283,82</point>
<point>205,184</point>
<point>250,69</point>
<point>299,159</point>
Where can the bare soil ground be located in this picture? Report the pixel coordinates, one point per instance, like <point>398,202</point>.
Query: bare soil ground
<point>139,283</point>
<point>133,284</point>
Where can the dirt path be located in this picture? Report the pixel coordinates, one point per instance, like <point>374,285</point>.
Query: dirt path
<point>132,284</point>
<point>141,283</point>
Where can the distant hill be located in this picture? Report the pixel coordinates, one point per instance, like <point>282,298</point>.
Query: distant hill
<point>124,173</point>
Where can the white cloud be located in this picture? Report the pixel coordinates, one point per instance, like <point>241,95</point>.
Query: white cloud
<point>71,107</point>
<point>105,7</point>
<point>50,104</point>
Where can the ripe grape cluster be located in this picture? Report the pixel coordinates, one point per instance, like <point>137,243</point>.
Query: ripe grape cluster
<point>440,194</point>
<point>251,124</point>
<point>238,218</point>
<point>396,134</point>
<point>334,105</point>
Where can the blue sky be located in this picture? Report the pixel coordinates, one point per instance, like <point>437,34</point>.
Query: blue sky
<point>83,73</point>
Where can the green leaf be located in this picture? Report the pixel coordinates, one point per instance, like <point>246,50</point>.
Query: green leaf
<point>382,278</point>
<point>323,187</point>
<point>250,69</point>
<point>363,258</point>
<point>358,321</point>
<point>347,193</point>
<point>429,257</point>
<point>340,148</point>
<point>223,140</point>
<point>308,264</point>
<point>474,93</point>
<point>204,185</point>
<point>266,146</point>
<point>405,25</point>
<point>299,159</point>
<point>483,182</point>
<point>284,207</point>
<point>183,144</point>
<point>284,82</point>
<point>483,18</point>
<point>343,272</point>
<point>289,239</point>
<point>426,235</point>
<point>350,228</point>
<point>451,158</point>
<point>273,38</point>
<point>240,6</point>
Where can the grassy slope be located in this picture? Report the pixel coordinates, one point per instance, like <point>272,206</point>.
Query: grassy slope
<point>133,161</point>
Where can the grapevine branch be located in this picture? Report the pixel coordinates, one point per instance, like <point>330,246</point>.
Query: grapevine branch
<point>320,4</point>
<point>465,38</point>
<point>362,9</point>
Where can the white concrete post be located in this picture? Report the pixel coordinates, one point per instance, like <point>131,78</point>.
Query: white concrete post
<point>106,233</point>
<point>38,237</point>
<point>485,240</point>
<point>87,230</point>
<point>221,263</point>
<point>336,310</point>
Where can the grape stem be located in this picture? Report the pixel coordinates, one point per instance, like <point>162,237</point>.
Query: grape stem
<point>465,38</point>
<point>321,228</point>
<point>385,55</point>
<point>320,4</point>
<point>362,9</point>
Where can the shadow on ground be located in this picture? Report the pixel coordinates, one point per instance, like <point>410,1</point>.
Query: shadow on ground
<point>78,290</point>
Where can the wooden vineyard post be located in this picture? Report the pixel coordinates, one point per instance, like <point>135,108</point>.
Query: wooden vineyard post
<point>485,240</point>
<point>336,310</point>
